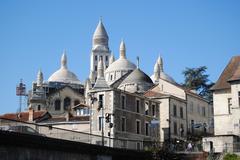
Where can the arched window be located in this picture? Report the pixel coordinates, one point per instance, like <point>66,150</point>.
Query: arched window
<point>76,102</point>
<point>67,103</point>
<point>57,105</point>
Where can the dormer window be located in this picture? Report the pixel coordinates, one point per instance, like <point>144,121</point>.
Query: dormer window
<point>83,111</point>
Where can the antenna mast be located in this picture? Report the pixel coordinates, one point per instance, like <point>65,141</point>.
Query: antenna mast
<point>20,91</point>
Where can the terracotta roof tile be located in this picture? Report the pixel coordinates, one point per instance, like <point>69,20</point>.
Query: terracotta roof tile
<point>154,94</point>
<point>236,75</point>
<point>228,73</point>
<point>23,116</point>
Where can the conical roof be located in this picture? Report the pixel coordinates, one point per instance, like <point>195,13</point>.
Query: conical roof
<point>100,82</point>
<point>100,36</point>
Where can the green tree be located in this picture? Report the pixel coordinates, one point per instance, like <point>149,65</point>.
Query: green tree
<point>231,157</point>
<point>197,79</point>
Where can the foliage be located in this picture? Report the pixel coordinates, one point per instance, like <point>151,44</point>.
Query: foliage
<point>231,157</point>
<point>197,79</point>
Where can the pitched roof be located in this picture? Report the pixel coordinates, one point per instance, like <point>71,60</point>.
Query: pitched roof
<point>150,93</point>
<point>231,72</point>
<point>236,75</point>
<point>63,119</point>
<point>23,116</point>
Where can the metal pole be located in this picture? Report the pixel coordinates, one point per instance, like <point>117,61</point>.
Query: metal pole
<point>91,122</point>
<point>20,103</point>
<point>102,126</point>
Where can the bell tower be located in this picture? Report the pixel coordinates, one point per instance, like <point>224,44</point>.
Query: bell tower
<point>100,50</point>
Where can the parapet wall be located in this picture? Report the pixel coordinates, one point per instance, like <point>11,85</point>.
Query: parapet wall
<point>17,146</point>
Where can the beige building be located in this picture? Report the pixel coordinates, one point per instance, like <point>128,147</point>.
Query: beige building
<point>183,113</point>
<point>119,108</point>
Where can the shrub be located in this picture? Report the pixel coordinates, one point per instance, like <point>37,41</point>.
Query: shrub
<point>231,157</point>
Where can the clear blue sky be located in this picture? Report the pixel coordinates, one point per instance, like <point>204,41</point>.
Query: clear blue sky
<point>187,33</point>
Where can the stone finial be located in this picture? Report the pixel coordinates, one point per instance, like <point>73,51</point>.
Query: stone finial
<point>160,63</point>
<point>64,59</point>
<point>122,50</point>
<point>112,59</point>
<point>39,78</point>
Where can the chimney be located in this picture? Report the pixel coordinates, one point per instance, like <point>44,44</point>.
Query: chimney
<point>30,114</point>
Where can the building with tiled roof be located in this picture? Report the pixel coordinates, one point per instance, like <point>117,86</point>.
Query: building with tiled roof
<point>226,102</point>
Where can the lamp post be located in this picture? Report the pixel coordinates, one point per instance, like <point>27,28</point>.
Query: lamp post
<point>100,107</point>
<point>92,99</point>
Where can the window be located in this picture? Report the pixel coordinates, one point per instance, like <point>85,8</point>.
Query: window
<point>106,58</point>
<point>95,67</point>
<point>192,125</point>
<point>181,112</point>
<point>100,101</point>
<point>229,105</point>
<point>78,112</point>
<point>57,105</point>
<point>111,77</point>
<point>203,111</point>
<point>138,126</point>
<point>146,108</point>
<point>174,110</point>
<point>39,107</point>
<point>123,101</point>
<point>153,109</point>
<point>147,129</point>
<point>175,128</point>
<point>95,58</point>
<point>138,145</point>
<point>100,58</point>
<point>67,103</point>
<point>123,124</point>
<point>83,111</point>
<point>100,123</point>
<point>138,106</point>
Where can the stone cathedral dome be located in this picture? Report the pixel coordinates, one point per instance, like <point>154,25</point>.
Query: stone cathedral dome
<point>136,81</point>
<point>63,74</point>
<point>119,67</point>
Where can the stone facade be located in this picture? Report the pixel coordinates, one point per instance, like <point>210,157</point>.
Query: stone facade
<point>184,111</point>
<point>131,117</point>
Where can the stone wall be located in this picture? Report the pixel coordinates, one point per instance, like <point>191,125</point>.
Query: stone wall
<point>15,146</point>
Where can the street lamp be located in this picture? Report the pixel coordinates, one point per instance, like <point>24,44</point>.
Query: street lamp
<point>92,99</point>
<point>100,107</point>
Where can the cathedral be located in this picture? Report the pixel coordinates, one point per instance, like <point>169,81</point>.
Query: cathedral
<point>118,100</point>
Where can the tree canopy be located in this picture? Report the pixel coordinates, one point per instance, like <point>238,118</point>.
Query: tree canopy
<point>197,79</point>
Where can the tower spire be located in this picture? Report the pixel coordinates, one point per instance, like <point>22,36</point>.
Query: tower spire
<point>122,50</point>
<point>100,36</point>
<point>160,63</point>
<point>137,62</point>
<point>156,72</point>
<point>39,78</point>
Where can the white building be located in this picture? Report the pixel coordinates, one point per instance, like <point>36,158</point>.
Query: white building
<point>226,102</point>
